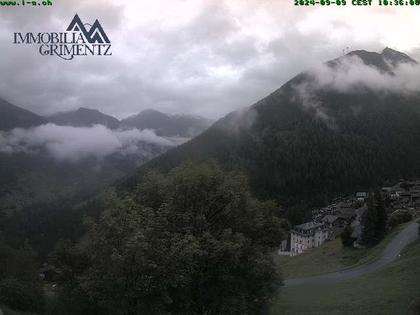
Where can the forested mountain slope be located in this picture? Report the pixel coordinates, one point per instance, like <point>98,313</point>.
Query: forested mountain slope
<point>348,124</point>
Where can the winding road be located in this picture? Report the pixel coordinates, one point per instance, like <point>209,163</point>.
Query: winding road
<point>408,235</point>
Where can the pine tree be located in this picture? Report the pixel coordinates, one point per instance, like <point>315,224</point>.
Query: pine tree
<point>370,223</point>
<point>382,215</point>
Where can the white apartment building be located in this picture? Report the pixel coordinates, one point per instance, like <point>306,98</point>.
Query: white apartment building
<point>308,235</point>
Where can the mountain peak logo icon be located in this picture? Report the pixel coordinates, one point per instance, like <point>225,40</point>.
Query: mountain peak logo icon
<point>94,35</point>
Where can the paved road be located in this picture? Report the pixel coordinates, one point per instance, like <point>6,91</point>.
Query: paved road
<point>390,253</point>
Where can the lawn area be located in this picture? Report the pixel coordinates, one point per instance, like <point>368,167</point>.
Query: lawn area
<point>8,311</point>
<point>329,257</point>
<point>392,290</point>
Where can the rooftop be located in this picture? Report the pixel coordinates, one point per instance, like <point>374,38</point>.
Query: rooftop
<point>346,214</point>
<point>309,226</point>
<point>330,218</point>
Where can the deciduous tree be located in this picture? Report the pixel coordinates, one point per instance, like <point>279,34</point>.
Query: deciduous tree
<point>193,241</point>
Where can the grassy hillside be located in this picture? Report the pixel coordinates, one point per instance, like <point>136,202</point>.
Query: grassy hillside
<point>331,256</point>
<point>392,290</point>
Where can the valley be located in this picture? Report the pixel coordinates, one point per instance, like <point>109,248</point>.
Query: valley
<point>81,188</point>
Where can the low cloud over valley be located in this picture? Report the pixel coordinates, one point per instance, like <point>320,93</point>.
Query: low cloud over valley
<point>72,144</point>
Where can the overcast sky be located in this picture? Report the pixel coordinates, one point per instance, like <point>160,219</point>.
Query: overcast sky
<point>188,56</point>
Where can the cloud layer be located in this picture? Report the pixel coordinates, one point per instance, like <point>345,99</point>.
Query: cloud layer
<point>72,144</point>
<point>351,74</point>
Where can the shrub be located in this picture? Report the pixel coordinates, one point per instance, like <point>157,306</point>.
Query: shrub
<point>346,238</point>
<point>399,218</point>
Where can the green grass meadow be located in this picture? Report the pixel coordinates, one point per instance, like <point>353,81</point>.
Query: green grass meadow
<point>394,290</point>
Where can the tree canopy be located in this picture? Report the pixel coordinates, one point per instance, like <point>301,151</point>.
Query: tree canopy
<point>192,241</point>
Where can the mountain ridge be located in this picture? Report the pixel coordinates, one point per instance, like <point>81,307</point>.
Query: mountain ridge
<point>12,116</point>
<point>84,117</point>
<point>166,124</point>
<point>295,152</point>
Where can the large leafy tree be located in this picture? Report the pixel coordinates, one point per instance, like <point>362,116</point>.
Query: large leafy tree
<point>20,285</point>
<point>193,241</point>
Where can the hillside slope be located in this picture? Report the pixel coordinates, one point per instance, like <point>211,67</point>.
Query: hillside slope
<point>12,116</point>
<point>328,131</point>
<point>392,290</point>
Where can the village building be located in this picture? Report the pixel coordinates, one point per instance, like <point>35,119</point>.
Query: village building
<point>361,195</point>
<point>308,235</point>
<point>347,215</point>
<point>335,224</point>
<point>329,221</point>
